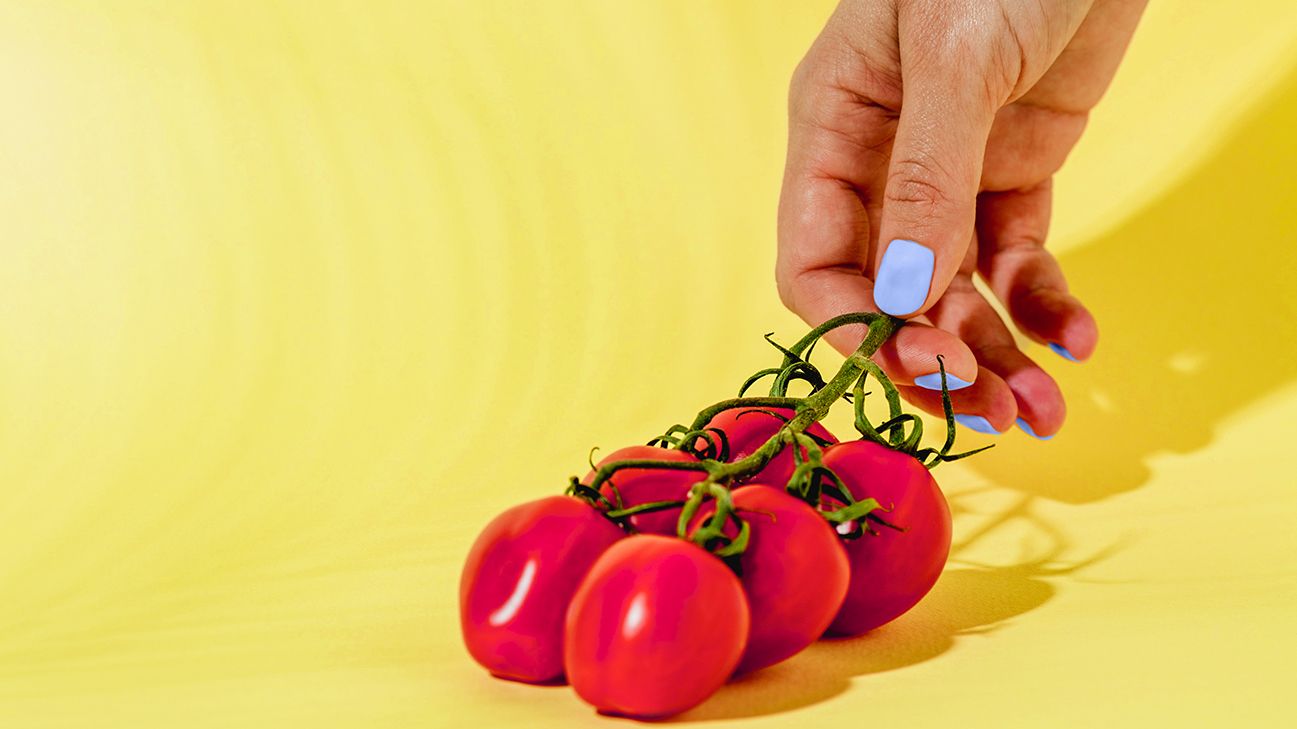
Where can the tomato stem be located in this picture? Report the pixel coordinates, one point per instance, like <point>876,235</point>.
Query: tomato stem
<point>943,454</point>
<point>811,478</point>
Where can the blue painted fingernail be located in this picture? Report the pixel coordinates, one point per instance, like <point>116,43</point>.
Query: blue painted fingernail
<point>976,422</point>
<point>1061,351</point>
<point>933,382</point>
<point>1026,428</point>
<point>904,277</point>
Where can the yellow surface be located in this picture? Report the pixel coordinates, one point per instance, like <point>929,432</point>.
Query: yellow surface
<point>296,296</point>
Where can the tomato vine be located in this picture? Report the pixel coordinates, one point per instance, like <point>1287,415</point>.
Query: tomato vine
<point>812,481</point>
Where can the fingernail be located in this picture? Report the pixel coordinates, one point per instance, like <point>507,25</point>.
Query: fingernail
<point>1061,351</point>
<point>1026,428</point>
<point>976,422</point>
<point>933,382</point>
<point>904,277</point>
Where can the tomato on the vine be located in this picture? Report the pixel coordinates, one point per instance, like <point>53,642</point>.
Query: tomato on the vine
<point>656,627</point>
<point>747,429</point>
<point>634,486</point>
<point>794,572</point>
<point>518,579</point>
<point>891,570</point>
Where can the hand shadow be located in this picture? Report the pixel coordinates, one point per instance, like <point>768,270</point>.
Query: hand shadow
<point>1195,295</point>
<point>971,600</point>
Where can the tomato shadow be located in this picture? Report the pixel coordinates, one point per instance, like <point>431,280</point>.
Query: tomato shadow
<point>1195,297</point>
<point>964,602</point>
<point>969,600</point>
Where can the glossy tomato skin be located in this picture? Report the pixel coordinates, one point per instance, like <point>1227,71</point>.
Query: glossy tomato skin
<point>747,429</point>
<point>892,570</point>
<point>644,485</point>
<point>656,627</point>
<point>519,578</point>
<point>794,572</point>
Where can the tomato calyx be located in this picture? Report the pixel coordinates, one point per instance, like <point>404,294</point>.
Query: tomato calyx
<point>796,366</point>
<point>817,484</point>
<point>614,507</point>
<point>714,487</point>
<point>715,443</point>
<point>710,535</point>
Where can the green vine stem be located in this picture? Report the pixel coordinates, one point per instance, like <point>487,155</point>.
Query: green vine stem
<point>808,482</point>
<point>798,350</point>
<point>706,414</point>
<point>812,408</point>
<point>719,474</point>
<point>942,455</point>
<point>811,478</point>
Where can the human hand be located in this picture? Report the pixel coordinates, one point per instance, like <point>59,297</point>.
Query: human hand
<point>923,137</point>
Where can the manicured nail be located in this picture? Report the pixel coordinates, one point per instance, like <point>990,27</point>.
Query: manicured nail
<point>1026,428</point>
<point>933,382</point>
<point>976,422</point>
<point>1061,351</point>
<point>904,277</point>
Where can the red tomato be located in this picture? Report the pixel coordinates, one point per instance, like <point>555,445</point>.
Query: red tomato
<point>892,570</point>
<point>644,485</point>
<point>747,429</point>
<point>518,579</point>
<point>794,572</point>
<point>656,627</point>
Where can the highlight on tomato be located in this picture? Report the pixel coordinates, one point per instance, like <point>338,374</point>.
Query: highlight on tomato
<point>518,579</point>
<point>657,626</point>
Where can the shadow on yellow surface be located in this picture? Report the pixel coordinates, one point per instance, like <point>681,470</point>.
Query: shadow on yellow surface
<point>1233,350</point>
<point>825,669</point>
<point>970,600</point>
<point>1235,346</point>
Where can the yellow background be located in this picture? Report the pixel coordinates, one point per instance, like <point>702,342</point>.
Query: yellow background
<point>295,296</point>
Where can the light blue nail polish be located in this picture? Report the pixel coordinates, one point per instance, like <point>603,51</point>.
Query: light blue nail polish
<point>976,422</point>
<point>904,277</point>
<point>1026,428</point>
<point>1061,351</point>
<point>933,382</point>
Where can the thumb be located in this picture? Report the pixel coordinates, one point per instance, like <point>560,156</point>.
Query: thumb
<point>930,197</point>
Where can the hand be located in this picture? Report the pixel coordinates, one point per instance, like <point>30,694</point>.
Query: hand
<point>923,137</point>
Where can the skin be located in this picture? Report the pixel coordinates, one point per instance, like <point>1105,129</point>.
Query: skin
<point>943,122</point>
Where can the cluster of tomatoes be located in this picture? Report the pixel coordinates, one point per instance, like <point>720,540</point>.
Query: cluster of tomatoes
<point>673,566</point>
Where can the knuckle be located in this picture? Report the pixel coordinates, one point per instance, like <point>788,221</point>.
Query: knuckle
<point>799,85</point>
<point>917,181</point>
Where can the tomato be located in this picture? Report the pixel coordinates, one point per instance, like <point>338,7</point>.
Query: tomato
<point>891,570</point>
<point>645,485</point>
<point>794,572</point>
<point>518,579</point>
<point>747,429</point>
<point>656,627</point>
